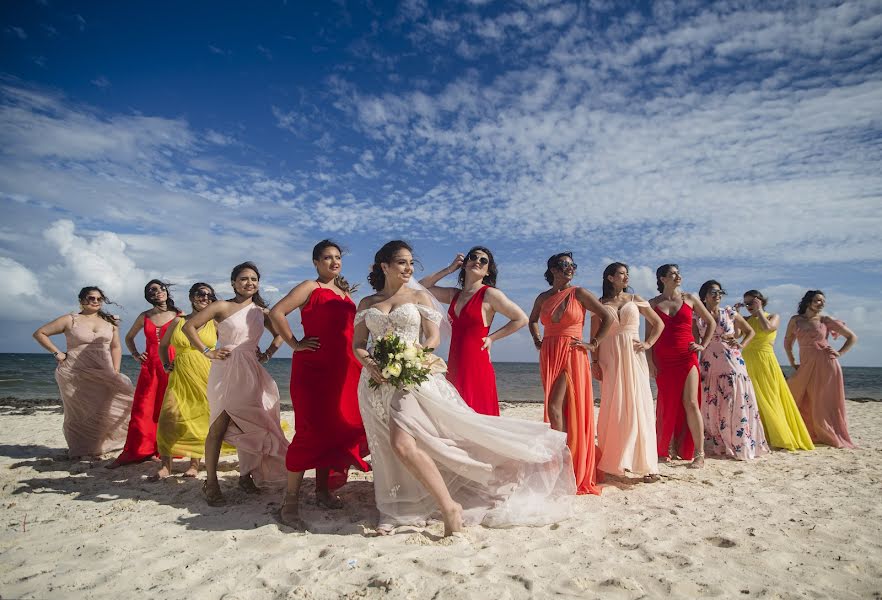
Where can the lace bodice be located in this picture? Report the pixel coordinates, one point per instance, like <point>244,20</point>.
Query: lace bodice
<point>404,321</point>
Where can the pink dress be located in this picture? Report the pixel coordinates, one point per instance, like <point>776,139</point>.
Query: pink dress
<point>818,386</point>
<point>243,389</point>
<point>732,425</point>
<point>626,422</point>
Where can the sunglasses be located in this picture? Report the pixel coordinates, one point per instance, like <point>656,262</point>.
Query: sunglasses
<point>155,290</point>
<point>93,299</point>
<point>717,293</point>
<point>481,260</point>
<point>201,294</point>
<point>565,264</point>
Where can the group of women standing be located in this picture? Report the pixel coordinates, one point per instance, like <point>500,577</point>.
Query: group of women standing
<point>442,445</point>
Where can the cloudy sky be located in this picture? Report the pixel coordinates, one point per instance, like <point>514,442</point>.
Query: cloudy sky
<point>142,139</point>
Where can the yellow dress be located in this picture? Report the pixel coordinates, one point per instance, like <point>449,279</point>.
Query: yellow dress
<point>183,420</point>
<point>782,422</point>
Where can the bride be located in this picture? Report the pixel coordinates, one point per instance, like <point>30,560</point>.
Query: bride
<point>429,450</point>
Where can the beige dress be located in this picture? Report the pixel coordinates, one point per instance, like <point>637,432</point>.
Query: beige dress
<point>97,400</point>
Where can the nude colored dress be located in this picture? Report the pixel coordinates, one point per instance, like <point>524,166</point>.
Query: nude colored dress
<point>243,389</point>
<point>97,400</point>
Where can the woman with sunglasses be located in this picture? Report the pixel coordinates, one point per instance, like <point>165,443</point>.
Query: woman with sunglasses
<point>673,361</point>
<point>96,397</point>
<point>152,381</point>
<point>183,420</point>
<point>817,384</point>
<point>243,398</point>
<point>732,425</point>
<point>473,305</point>
<point>564,364</point>
<point>782,423</point>
<point>328,433</point>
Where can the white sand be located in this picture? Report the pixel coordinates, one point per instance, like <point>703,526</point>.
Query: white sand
<point>800,525</point>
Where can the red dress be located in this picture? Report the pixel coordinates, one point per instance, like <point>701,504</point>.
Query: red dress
<point>673,361</point>
<point>468,366</point>
<point>328,432</point>
<point>149,392</point>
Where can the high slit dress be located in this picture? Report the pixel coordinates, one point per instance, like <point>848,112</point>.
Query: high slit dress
<point>557,357</point>
<point>673,361</point>
<point>469,368</point>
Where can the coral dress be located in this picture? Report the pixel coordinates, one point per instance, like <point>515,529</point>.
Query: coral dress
<point>149,392</point>
<point>818,386</point>
<point>97,400</point>
<point>732,425</point>
<point>782,423</point>
<point>468,367</point>
<point>626,422</point>
<point>324,391</point>
<point>183,420</point>
<point>557,357</point>
<point>242,388</point>
<point>673,362</point>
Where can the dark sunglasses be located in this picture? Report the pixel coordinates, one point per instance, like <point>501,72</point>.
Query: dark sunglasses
<point>208,295</point>
<point>717,293</point>
<point>93,299</point>
<point>156,290</point>
<point>565,264</point>
<point>481,260</point>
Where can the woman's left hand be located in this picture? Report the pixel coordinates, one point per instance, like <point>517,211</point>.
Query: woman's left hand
<point>262,357</point>
<point>832,352</point>
<point>487,342</point>
<point>587,346</point>
<point>694,347</point>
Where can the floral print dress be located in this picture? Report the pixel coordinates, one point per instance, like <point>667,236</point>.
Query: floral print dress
<point>732,425</point>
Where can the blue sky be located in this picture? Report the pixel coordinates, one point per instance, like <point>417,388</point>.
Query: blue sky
<point>740,140</point>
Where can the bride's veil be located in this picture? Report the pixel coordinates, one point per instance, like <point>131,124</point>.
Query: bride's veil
<point>444,325</point>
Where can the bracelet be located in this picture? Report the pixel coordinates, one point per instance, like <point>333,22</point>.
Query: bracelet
<point>166,366</point>
<point>57,352</point>
<point>207,350</point>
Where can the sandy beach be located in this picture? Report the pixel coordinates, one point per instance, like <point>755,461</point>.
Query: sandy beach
<point>790,525</point>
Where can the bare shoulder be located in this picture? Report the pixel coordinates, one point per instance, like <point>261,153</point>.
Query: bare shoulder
<point>691,298</point>
<point>637,298</point>
<point>655,300</point>
<point>424,298</point>
<point>368,301</point>
<point>493,293</point>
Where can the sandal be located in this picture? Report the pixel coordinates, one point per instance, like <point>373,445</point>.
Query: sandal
<point>651,478</point>
<point>213,495</point>
<point>697,461</point>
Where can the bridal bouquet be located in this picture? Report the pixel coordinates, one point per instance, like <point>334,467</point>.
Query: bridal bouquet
<point>404,364</point>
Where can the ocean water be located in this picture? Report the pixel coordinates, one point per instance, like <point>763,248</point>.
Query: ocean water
<point>31,377</point>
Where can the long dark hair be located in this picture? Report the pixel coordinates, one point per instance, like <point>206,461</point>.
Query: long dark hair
<point>104,315</point>
<point>339,280</point>
<point>609,271</point>
<point>807,299</point>
<point>196,287</point>
<point>663,271</point>
<point>552,262</point>
<point>241,267</point>
<point>757,294</point>
<point>706,286</point>
<point>169,302</point>
<point>490,277</point>
<point>376,277</point>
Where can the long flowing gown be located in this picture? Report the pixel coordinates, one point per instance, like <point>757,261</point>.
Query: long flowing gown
<point>183,420</point>
<point>242,388</point>
<point>673,362</point>
<point>782,423</point>
<point>626,422</point>
<point>468,367</point>
<point>149,392</point>
<point>818,386</point>
<point>557,357</point>
<point>328,432</point>
<point>503,471</point>
<point>97,400</point>
<point>732,425</point>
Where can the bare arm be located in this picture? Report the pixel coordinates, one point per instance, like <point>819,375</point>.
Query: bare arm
<point>54,327</point>
<point>430,282</point>
<point>165,342</point>
<point>115,350</point>
<point>431,331</point>
<point>770,323</point>
<point>533,321</point>
<point>702,311</point>
<point>789,339</point>
<point>137,326</point>
<point>851,337</point>
<point>500,303</point>
<point>276,342</point>
<point>590,302</point>
<point>654,325</point>
<point>360,337</point>
<point>295,299</point>
<point>743,327</point>
<point>217,311</point>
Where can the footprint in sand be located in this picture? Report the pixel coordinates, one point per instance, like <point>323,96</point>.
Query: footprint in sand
<point>721,542</point>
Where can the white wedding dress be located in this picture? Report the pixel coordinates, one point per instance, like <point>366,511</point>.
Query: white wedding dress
<point>503,471</point>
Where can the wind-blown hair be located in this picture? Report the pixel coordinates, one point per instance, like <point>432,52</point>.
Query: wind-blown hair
<point>757,294</point>
<point>339,280</point>
<point>490,277</point>
<point>169,302</point>
<point>807,299</point>
<point>706,286</point>
<point>552,263</point>
<point>104,315</point>
<point>376,278</point>
<point>241,267</point>
<point>196,287</point>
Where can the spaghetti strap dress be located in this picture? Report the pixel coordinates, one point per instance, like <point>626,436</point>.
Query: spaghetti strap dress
<point>468,367</point>
<point>673,361</point>
<point>149,391</point>
<point>558,357</point>
<point>328,431</point>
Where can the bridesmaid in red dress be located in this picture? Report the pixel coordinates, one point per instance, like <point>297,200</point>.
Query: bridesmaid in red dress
<point>472,307</point>
<point>329,436</point>
<point>674,362</point>
<point>150,389</point>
